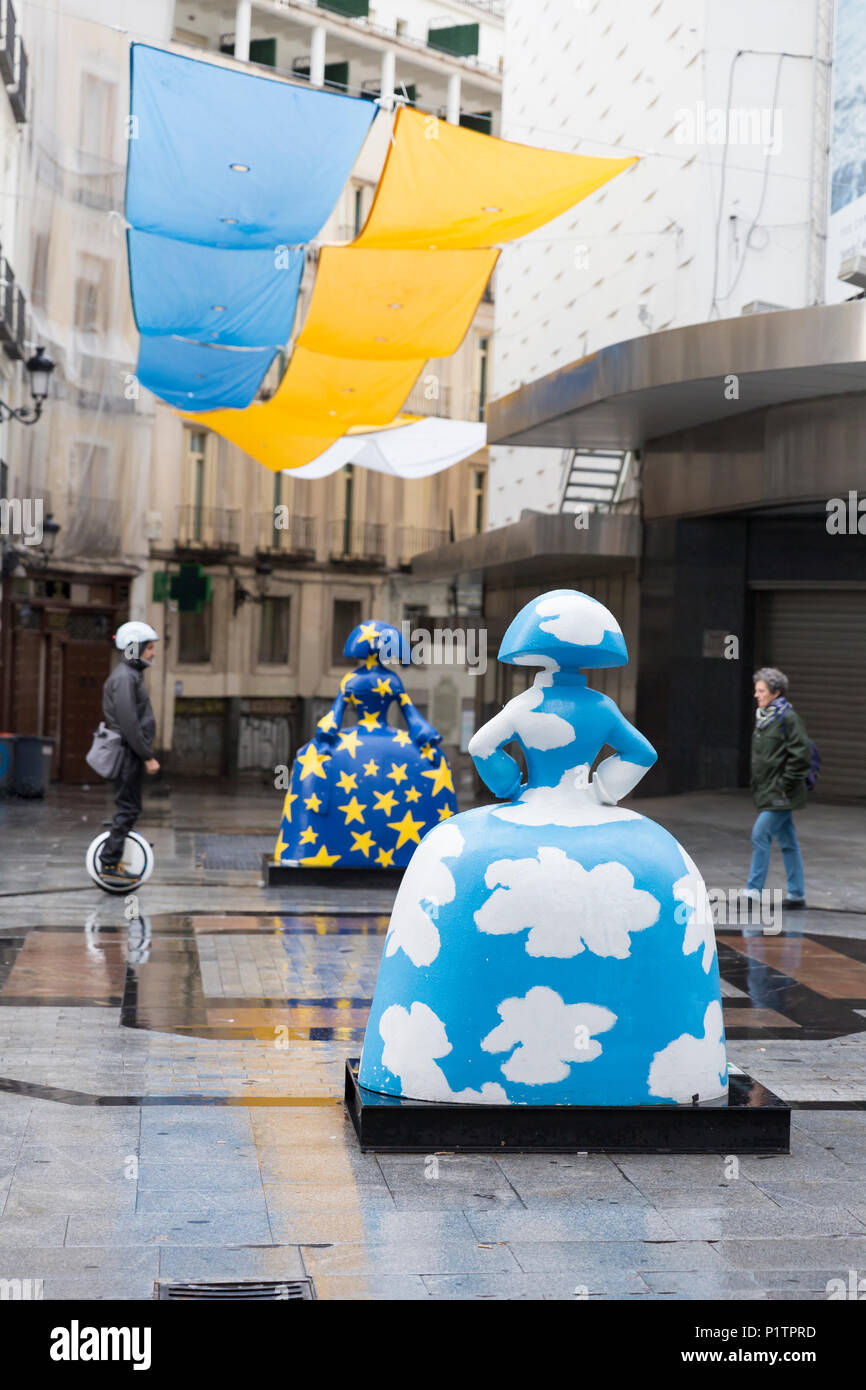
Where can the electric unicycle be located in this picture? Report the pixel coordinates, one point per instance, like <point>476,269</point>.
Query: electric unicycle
<point>137,858</point>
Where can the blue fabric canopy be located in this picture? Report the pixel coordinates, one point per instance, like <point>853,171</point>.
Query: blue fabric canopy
<point>195,376</point>
<point>292,149</point>
<point>239,298</point>
<point>228,175</point>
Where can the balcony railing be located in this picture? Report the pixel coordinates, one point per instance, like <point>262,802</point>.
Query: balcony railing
<point>208,528</point>
<point>445,402</point>
<point>357,540</point>
<point>13,312</point>
<point>297,539</point>
<point>414,540</point>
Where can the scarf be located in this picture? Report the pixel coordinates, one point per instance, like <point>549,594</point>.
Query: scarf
<point>776,709</point>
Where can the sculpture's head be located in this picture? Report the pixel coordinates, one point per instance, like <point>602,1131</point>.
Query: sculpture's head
<point>381,640</point>
<point>564,630</point>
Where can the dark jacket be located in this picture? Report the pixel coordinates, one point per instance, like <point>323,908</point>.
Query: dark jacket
<point>126,708</point>
<point>781,758</point>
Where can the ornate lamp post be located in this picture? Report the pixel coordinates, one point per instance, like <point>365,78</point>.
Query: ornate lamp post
<point>39,368</point>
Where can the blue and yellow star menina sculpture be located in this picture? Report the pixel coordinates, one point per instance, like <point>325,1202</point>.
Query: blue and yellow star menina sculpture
<point>363,797</point>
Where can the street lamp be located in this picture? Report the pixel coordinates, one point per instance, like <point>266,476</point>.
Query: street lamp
<point>39,368</point>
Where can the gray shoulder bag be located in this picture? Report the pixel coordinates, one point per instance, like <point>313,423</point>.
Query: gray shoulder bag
<point>106,752</point>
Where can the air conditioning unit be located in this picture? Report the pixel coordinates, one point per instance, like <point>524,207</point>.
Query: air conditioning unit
<point>762,306</point>
<point>853,270</point>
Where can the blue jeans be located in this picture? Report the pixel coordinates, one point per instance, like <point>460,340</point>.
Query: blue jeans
<point>778,826</point>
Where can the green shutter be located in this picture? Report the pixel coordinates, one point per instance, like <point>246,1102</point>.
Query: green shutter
<point>353,9</point>
<point>460,40</point>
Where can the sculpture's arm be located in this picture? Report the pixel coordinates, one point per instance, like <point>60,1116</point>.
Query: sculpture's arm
<point>618,775</point>
<point>329,725</point>
<point>421,731</point>
<point>496,768</point>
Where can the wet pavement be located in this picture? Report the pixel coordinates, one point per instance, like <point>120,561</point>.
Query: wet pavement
<point>171,1075</point>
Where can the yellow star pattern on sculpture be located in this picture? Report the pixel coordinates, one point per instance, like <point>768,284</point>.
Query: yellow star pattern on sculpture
<point>407,829</point>
<point>371,769</point>
<point>445,812</point>
<point>327,721</point>
<point>323,860</point>
<point>385,801</point>
<point>404,699</point>
<point>363,841</point>
<point>308,836</point>
<point>371,661</point>
<point>383,686</point>
<point>312,762</point>
<point>413,794</point>
<point>354,811</point>
<point>441,777</point>
<point>349,739</point>
<point>369,633</point>
<point>348,781</point>
<point>287,805</point>
<point>385,857</point>
<point>280,847</point>
<point>370,721</point>
<point>312,802</point>
<point>352,700</point>
<point>401,737</point>
<point>397,774</point>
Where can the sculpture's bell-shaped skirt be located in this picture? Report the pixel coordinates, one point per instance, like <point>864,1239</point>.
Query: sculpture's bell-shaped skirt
<point>549,954</point>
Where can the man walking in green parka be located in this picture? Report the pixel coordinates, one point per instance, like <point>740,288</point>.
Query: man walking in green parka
<point>781,761</point>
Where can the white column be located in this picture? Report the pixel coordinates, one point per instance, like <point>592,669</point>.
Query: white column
<point>453,116</point>
<point>243,20</point>
<point>317,56</point>
<point>386,81</point>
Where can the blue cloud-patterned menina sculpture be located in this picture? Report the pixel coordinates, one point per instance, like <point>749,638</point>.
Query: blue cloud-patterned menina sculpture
<point>555,948</point>
<point>361,797</point>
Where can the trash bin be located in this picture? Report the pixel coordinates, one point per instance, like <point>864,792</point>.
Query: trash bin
<point>7,764</point>
<point>32,764</point>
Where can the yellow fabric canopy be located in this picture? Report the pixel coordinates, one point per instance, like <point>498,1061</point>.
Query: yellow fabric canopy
<point>445,186</point>
<point>394,304</point>
<point>407,288</point>
<point>318,400</point>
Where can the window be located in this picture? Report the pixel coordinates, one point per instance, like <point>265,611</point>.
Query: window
<point>196,442</point>
<point>91,294</point>
<point>483,356</point>
<point>97,130</point>
<point>359,210</point>
<point>274,631</point>
<point>194,636</point>
<point>347,615</point>
<point>479,482</point>
<point>39,271</point>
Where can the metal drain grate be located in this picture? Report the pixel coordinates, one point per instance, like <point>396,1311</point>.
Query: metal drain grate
<point>255,1290</point>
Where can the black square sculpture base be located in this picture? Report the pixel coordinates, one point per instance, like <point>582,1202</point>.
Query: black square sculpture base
<point>753,1121</point>
<point>277,875</point>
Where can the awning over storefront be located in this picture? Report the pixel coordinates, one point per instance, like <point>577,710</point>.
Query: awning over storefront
<point>541,545</point>
<point>644,388</point>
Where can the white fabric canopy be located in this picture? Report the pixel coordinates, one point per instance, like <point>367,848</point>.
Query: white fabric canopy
<point>415,450</point>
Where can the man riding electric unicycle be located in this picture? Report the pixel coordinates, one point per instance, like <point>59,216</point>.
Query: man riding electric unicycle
<point>126,738</point>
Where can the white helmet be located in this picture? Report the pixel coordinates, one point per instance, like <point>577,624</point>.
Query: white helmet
<point>131,637</point>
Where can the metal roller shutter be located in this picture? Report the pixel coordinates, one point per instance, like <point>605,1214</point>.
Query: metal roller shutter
<point>818,638</point>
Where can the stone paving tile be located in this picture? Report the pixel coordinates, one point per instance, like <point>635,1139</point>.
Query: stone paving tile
<point>722,1196</point>
<point>317,1165</point>
<point>186,1262</point>
<point>840,1253</point>
<point>813,1194</point>
<point>375,1225</point>
<point>361,1287</point>
<point>21,1231</point>
<point>580,1223</point>
<point>35,1199</point>
<point>432,1196</point>
<point>81,1262</point>
<point>223,1176</point>
<point>621,1284</point>
<point>690,1223</point>
<point>168,1228</point>
<point>121,1288</point>
<point>601,1255</point>
<point>285,1199</point>
<point>425,1257</point>
<point>246,1201</point>
<point>720,1282</point>
<point>604,1196</point>
<point>472,1172</point>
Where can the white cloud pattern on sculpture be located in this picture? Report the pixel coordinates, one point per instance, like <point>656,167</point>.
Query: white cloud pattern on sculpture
<point>412,1039</point>
<point>426,880</point>
<point>700,931</point>
<point>522,719</point>
<point>566,907</point>
<point>547,1035</point>
<point>691,1066</point>
<point>576,618</point>
<point>571,803</point>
